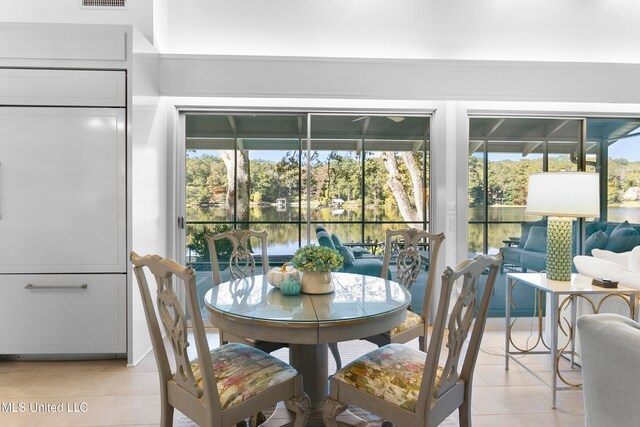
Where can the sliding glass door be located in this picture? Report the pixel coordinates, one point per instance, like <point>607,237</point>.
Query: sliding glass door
<point>355,174</point>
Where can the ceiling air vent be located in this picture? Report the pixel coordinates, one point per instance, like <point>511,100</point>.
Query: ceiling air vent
<point>104,3</point>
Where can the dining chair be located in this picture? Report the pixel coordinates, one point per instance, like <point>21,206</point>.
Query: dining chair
<point>242,263</point>
<point>220,387</point>
<point>409,262</point>
<point>410,388</point>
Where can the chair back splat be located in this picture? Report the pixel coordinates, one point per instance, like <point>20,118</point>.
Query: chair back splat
<point>458,325</point>
<point>241,261</point>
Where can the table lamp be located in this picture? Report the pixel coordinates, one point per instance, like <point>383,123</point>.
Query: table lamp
<point>562,196</point>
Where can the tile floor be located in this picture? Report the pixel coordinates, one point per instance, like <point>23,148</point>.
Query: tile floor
<point>109,393</point>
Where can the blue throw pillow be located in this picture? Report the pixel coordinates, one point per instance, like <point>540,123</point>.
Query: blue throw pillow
<point>336,240</point>
<point>526,227</point>
<point>597,240</point>
<point>593,226</point>
<point>536,240</point>
<point>623,238</point>
<point>325,240</point>
<point>346,254</point>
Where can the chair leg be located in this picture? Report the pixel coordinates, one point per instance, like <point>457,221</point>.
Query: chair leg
<point>257,420</point>
<point>300,406</point>
<point>421,343</point>
<point>330,410</point>
<point>464,413</point>
<point>166,414</point>
<point>333,346</point>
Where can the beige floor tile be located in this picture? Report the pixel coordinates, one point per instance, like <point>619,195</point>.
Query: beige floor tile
<point>119,395</point>
<point>552,420</point>
<point>496,375</point>
<point>524,400</point>
<point>496,421</point>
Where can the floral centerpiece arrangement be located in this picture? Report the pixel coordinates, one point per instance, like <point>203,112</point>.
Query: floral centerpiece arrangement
<point>316,264</point>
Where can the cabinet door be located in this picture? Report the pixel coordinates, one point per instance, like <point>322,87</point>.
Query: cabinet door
<point>63,313</point>
<point>62,190</point>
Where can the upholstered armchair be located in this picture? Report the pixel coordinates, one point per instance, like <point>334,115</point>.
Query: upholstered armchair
<point>610,349</point>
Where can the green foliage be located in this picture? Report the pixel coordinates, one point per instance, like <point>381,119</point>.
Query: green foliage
<point>317,258</point>
<point>196,240</point>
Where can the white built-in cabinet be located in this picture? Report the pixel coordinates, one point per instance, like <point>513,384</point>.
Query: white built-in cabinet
<point>63,210</point>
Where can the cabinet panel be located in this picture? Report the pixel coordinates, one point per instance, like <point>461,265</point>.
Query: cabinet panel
<point>49,314</point>
<point>62,87</point>
<point>62,190</point>
<point>42,41</point>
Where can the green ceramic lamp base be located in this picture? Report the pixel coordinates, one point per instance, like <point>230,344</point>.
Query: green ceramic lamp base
<point>559,249</point>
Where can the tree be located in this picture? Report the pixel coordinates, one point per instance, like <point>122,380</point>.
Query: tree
<point>409,213</point>
<point>287,171</point>
<point>240,191</point>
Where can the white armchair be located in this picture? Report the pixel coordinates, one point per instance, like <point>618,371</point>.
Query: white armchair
<point>610,370</point>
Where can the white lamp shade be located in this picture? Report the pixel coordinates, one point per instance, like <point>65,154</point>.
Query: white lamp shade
<point>570,194</point>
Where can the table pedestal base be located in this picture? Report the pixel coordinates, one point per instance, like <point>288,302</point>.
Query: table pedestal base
<point>311,361</point>
<point>283,418</point>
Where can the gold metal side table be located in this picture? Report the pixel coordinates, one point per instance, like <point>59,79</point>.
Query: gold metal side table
<point>563,295</point>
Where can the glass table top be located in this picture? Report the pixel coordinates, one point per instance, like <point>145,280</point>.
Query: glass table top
<point>356,297</point>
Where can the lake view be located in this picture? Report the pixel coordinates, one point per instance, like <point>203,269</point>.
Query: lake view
<point>283,238</point>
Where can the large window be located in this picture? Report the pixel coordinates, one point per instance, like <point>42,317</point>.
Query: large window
<point>367,173</point>
<point>504,151</point>
<point>355,174</point>
<point>502,154</point>
<point>613,149</point>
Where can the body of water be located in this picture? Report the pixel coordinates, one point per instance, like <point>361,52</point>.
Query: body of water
<point>285,238</point>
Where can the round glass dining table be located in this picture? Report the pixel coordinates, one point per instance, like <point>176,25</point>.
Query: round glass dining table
<point>361,306</point>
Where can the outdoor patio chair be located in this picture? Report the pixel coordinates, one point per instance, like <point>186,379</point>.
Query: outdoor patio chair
<point>410,388</point>
<point>220,387</point>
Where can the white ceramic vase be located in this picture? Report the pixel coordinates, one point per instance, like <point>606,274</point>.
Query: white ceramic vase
<point>317,282</point>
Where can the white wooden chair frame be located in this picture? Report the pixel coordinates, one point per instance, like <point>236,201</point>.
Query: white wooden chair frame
<point>181,390</point>
<point>241,264</point>
<point>409,264</point>
<point>436,399</point>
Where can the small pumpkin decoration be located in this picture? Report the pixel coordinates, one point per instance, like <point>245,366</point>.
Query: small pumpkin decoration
<point>290,287</point>
<point>277,275</point>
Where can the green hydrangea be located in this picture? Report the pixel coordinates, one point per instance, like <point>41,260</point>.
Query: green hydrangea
<point>317,258</point>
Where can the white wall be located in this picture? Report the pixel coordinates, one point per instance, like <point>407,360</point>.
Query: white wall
<point>249,76</point>
<point>149,226</point>
<point>549,30</point>
<point>137,12</point>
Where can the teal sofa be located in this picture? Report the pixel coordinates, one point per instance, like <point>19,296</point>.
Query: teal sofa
<point>531,252</point>
<point>357,260</point>
<point>531,255</point>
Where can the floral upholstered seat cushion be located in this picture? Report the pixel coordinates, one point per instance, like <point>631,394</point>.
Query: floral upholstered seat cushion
<point>410,321</point>
<point>392,373</point>
<point>243,372</point>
